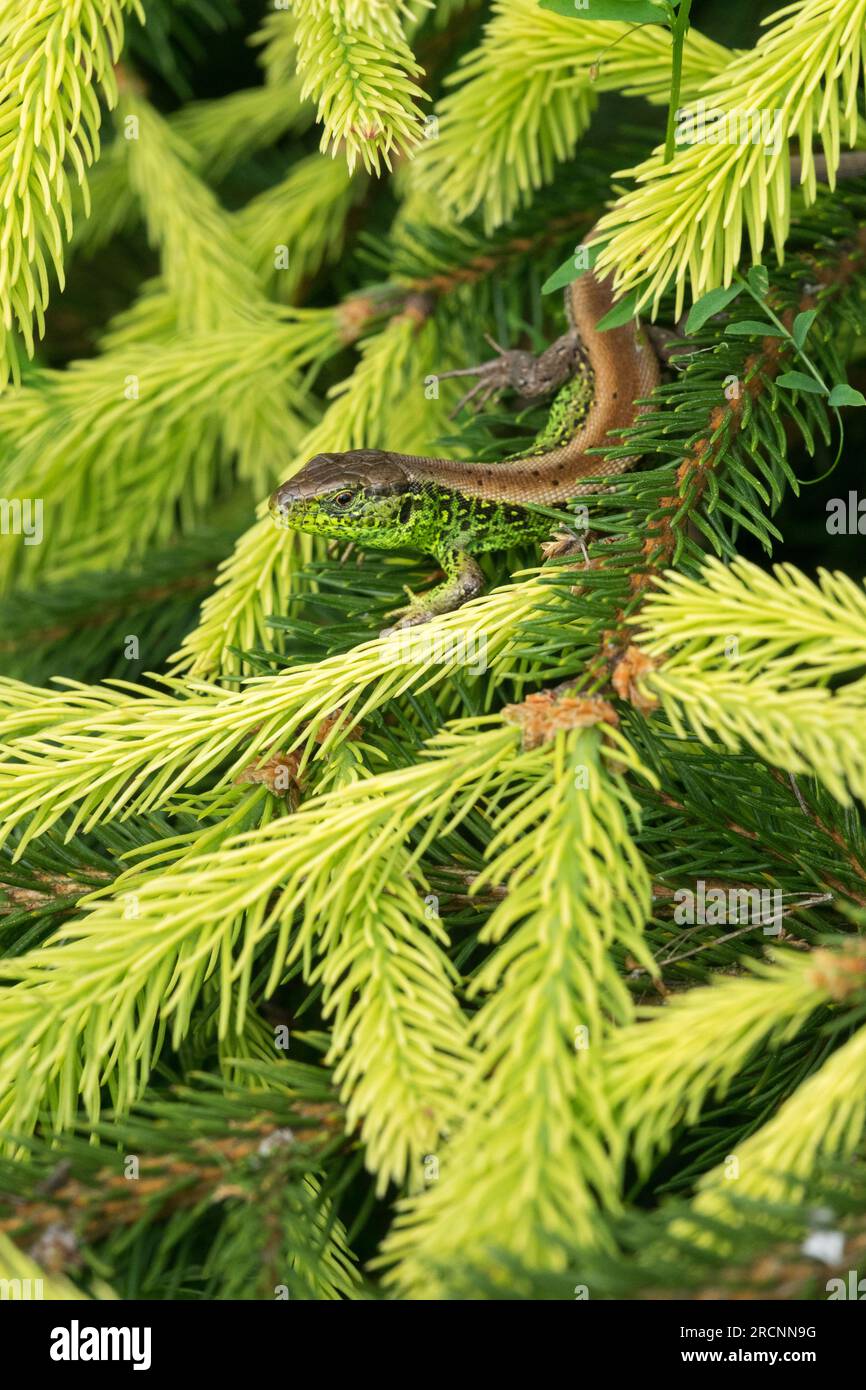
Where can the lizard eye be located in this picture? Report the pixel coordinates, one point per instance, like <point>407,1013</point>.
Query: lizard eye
<point>342,500</point>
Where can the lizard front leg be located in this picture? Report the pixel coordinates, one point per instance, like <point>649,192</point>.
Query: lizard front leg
<point>463,580</point>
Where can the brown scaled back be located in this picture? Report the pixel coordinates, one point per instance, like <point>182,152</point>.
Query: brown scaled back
<point>624,367</point>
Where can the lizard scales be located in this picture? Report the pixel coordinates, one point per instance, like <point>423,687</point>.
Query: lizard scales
<point>623,367</point>
<point>454,509</point>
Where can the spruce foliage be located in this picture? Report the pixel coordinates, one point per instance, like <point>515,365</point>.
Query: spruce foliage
<point>338,966</point>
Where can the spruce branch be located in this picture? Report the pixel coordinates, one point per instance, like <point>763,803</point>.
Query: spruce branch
<point>527,93</point>
<point>57,58</point>
<point>283,1241</point>
<point>211,903</point>
<point>398,1041</point>
<point>360,72</point>
<point>216,136</point>
<point>738,681</point>
<point>537,1153</point>
<point>152,428</point>
<point>805,730</point>
<point>85,625</point>
<point>229,129</point>
<point>786,625</point>
<point>300,220</point>
<point>673,1253</point>
<point>663,1069</point>
<point>823,1119</point>
<point>686,221</point>
<point>203,260</point>
<point>111,753</point>
<point>247,1156</point>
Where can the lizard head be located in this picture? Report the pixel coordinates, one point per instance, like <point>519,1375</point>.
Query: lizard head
<point>361,495</point>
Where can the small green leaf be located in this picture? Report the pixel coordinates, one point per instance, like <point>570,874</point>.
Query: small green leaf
<point>571,270</point>
<point>843,394</point>
<point>619,314</point>
<point>798,381</point>
<point>802,323</point>
<point>759,280</point>
<point>708,304</point>
<point>748,328</point>
<point>632,11</point>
